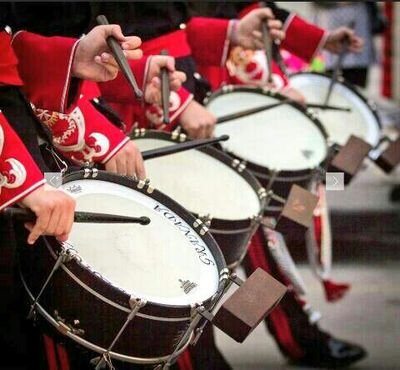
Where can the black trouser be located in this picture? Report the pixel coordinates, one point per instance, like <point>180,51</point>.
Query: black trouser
<point>356,76</point>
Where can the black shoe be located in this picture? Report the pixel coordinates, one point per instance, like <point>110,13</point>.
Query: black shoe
<point>332,354</point>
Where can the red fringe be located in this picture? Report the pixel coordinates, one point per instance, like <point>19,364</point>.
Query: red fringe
<point>335,291</point>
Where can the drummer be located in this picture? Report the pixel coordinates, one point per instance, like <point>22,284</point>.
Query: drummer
<point>21,179</point>
<point>198,123</point>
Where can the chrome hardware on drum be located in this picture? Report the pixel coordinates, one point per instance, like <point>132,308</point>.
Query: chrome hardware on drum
<point>211,185</point>
<point>362,120</point>
<point>126,291</point>
<point>281,146</point>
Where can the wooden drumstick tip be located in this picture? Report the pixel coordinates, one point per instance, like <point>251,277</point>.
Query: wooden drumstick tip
<point>120,57</point>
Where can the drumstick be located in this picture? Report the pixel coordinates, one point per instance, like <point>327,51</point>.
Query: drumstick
<point>26,215</point>
<point>328,107</point>
<point>268,48</point>
<point>121,59</point>
<point>165,90</point>
<point>248,112</point>
<point>172,149</point>
<point>338,66</point>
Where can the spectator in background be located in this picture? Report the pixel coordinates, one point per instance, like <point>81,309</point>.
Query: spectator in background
<point>368,22</point>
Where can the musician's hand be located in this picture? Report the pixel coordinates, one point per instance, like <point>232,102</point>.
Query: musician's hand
<point>247,32</point>
<point>153,83</point>
<point>127,161</point>
<point>335,39</point>
<point>93,61</point>
<point>294,94</point>
<point>54,210</point>
<point>198,122</point>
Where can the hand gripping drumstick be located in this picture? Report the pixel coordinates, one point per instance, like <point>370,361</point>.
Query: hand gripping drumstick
<point>172,149</point>
<point>26,215</point>
<point>338,66</point>
<point>121,59</point>
<point>268,48</point>
<point>165,90</point>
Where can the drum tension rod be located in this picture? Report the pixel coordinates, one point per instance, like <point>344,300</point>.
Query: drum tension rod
<point>63,257</point>
<point>105,359</point>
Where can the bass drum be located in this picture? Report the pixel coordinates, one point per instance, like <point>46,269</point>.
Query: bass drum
<point>126,291</point>
<point>285,142</point>
<point>212,186</point>
<point>362,121</point>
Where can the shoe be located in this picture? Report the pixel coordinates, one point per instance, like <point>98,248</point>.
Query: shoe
<point>333,354</point>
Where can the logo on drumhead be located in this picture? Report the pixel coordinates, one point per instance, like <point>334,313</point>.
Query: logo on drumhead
<point>187,285</point>
<point>194,240</point>
<point>74,189</point>
<point>307,153</point>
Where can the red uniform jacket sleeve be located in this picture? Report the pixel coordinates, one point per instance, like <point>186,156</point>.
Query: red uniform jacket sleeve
<point>8,62</point>
<point>83,134</point>
<point>209,39</point>
<point>303,39</point>
<point>19,174</point>
<point>136,114</point>
<point>44,64</point>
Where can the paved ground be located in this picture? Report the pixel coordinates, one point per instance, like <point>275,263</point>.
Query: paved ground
<point>369,315</point>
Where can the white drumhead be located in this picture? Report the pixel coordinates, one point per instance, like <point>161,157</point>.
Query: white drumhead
<point>281,138</point>
<point>201,183</point>
<point>340,125</point>
<point>151,261</point>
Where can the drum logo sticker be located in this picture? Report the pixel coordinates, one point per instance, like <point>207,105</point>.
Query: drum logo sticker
<point>307,153</point>
<point>187,285</point>
<point>194,240</point>
<point>74,189</point>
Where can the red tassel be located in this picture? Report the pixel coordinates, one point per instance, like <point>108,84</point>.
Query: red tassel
<point>335,291</point>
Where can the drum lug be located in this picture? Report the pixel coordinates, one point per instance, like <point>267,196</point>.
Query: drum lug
<point>262,193</point>
<point>139,132</point>
<point>241,166</point>
<point>175,133</point>
<point>65,328</point>
<point>206,219</point>
<point>237,280</point>
<point>198,223</point>
<point>227,88</point>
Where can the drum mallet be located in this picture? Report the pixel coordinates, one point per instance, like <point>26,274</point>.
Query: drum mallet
<point>268,48</point>
<point>338,66</point>
<point>172,149</point>
<point>121,59</point>
<point>26,215</point>
<point>165,90</point>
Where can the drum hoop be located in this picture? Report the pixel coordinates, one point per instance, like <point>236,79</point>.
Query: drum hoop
<point>284,175</point>
<point>164,199</point>
<point>353,89</point>
<point>226,159</point>
<point>94,347</point>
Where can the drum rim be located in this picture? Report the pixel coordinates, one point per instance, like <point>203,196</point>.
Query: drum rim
<point>151,308</point>
<point>259,169</point>
<point>351,87</point>
<point>226,159</point>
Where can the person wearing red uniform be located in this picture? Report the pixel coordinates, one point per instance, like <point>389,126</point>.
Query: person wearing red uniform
<point>21,179</point>
<point>300,340</point>
<point>208,42</point>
